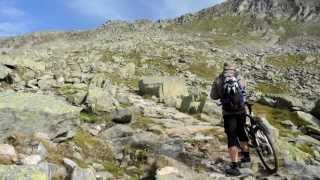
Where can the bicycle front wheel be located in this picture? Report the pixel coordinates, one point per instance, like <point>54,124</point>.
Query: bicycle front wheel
<point>265,149</point>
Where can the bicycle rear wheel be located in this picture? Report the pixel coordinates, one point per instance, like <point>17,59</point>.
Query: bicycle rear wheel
<point>265,149</point>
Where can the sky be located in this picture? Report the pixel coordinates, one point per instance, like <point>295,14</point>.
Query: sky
<point>25,16</point>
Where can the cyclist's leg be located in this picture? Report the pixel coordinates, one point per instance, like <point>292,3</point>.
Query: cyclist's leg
<point>243,137</point>
<point>230,126</point>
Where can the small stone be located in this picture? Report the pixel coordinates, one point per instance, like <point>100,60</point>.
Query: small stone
<point>70,165</point>
<point>83,174</point>
<point>7,154</point>
<point>288,124</point>
<point>31,160</point>
<point>104,175</point>
<point>122,116</point>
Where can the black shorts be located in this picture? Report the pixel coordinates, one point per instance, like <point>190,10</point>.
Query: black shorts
<point>234,128</point>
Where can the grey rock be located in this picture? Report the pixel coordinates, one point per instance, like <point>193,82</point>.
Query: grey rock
<point>310,119</point>
<point>31,160</point>
<point>267,101</point>
<point>104,175</point>
<point>312,131</point>
<point>4,71</point>
<point>46,84</point>
<point>286,101</point>
<point>100,100</point>
<point>191,104</point>
<point>211,108</point>
<point>31,112</point>
<point>288,124</point>
<point>41,171</point>
<point>83,174</point>
<point>7,154</point>
<point>172,148</point>
<point>163,87</point>
<point>63,136</point>
<point>70,165</point>
<point>122,116</point>
<point>303,171</point>
<point>117,131</point>
<point>145,140</point>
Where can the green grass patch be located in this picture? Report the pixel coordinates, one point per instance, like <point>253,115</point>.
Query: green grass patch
<point>114,169</point>
<point>275,116</point>
<point>142,122</point>
<point>287,61</point>
<point>294,29</point>
<point>93,148</point>
<point>278,88</point>
<point>116,80</point>
<point>88,117</point>
<point>223,24</point>
<point>203,70</point>
<point>161,64</point>
<point>306,148</point>
<point>107,55</point>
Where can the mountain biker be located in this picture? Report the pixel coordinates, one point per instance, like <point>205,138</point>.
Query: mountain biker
<point>229,87</point>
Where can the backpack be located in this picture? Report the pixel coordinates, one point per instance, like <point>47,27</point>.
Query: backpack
<point>232,92</point>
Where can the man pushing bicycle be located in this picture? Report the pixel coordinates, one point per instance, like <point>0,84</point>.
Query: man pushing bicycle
<point>230,88</point>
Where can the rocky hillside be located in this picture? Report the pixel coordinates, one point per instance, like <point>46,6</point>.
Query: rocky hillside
<point>130,100</point>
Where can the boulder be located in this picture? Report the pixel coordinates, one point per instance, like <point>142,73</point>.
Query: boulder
<point>27,112</point>
<point>7,154</point>
<point>316,109</point>
<point>211,108</point>
<point>267,101</point>
<point>25,172</point>
<point>23,62</point>
<point>191,104</point>
<point>309,118</point>
<point>122,116</point>
<point>301,170</point>
<point>100,100</point>
<point>145,140</point>
<point>163,87</point>
<point>31,160</point>
<point>117,131</point>
<point>312,131</point>
<point>285,101</point>
<point>4,71</point>
<point>75,93</point>
<point>169,168</point>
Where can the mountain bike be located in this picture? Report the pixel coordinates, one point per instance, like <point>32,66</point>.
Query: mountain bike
<point>260,139</point>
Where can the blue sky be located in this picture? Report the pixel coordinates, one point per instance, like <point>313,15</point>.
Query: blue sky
<point>25,16</point>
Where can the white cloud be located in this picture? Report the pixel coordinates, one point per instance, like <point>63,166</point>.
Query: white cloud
<point>8,10</point>
<point>13,21</point>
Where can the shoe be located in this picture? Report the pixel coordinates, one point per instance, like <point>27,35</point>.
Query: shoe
<point>233,171</point>
<point>245,159</point>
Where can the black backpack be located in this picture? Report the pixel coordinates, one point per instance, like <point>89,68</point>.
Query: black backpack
<point>232,92</point>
